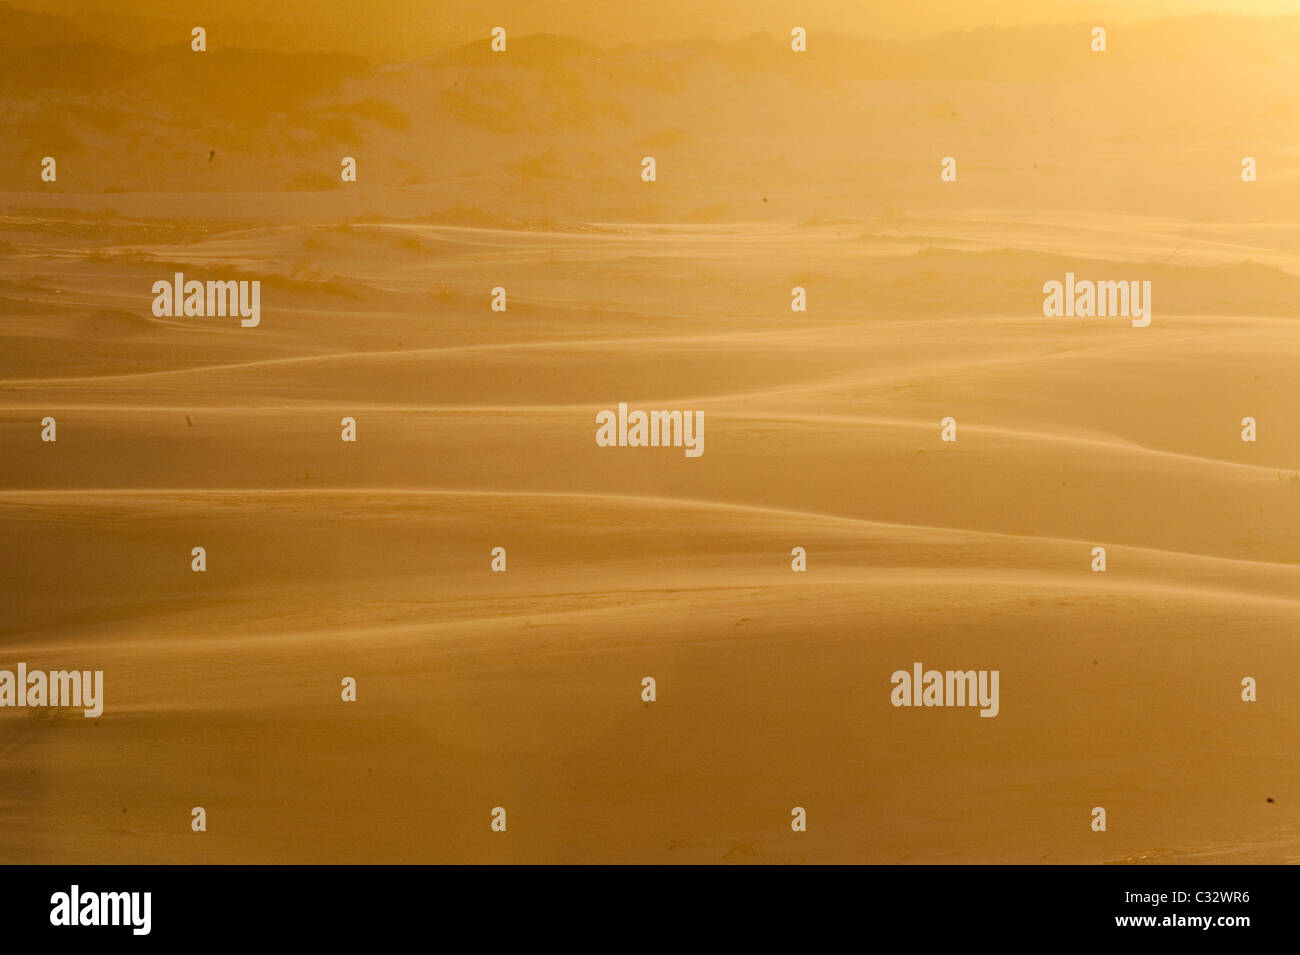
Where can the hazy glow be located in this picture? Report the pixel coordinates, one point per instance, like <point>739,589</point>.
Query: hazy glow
<point>403,28</point>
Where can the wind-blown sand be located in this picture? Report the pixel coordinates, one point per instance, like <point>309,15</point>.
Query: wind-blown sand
<point>522,689</point>
<point>822,430</point>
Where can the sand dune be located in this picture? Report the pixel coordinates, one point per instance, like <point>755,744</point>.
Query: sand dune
<point>476,429</point>
<point>519,689</point>
<point>599,591</point>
